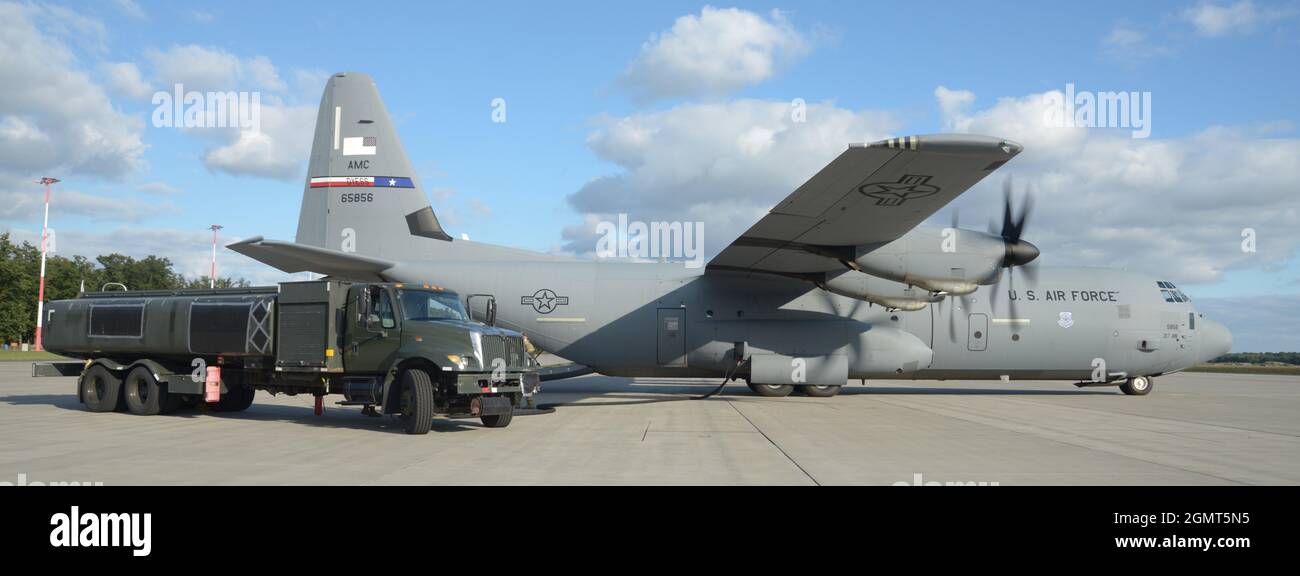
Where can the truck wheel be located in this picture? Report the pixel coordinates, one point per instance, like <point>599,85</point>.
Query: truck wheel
<point>818,391</point>
<point>499,420</point>
<point>771,390</point>
<point>100,389</point>
<point>1137,385</point>
<point>417,401</point>
<point>145,396</point>
<point>235,400</point>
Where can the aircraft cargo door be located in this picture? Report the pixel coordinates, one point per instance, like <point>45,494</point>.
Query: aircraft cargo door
<point>672,337</point>
<point>977,337</point>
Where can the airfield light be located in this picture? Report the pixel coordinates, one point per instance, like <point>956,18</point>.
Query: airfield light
<point>212,276</point>
<point>45,236</point>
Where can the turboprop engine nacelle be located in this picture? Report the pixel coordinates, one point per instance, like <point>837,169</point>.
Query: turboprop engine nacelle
<point>886,293</point>
<point>948,260</point>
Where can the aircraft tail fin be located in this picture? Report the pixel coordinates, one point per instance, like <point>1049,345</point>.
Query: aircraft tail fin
<point>362,196</point>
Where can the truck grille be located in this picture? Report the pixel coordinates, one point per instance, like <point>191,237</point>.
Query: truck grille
<point>509,348</point>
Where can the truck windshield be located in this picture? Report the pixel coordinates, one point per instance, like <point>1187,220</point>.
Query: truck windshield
<point>427,305</point>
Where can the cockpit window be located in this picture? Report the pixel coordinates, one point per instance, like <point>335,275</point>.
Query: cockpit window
<point>1171,293</point>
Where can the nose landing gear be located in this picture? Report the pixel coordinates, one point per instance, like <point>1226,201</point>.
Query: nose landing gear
<point>1137,385</point>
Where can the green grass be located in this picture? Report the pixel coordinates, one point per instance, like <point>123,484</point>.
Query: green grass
<point>1283,370</point>
<point>19,355</point>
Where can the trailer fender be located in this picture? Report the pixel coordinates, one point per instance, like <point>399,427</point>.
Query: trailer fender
<point>178,379</point>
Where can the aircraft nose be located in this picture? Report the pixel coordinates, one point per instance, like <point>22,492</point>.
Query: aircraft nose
<point>1216,340</point>
<point>1020,253</point>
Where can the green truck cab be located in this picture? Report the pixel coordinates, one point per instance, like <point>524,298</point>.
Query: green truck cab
<point>412,351</point>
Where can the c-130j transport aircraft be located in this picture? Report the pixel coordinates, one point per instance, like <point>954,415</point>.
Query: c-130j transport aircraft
<point>835,283</point>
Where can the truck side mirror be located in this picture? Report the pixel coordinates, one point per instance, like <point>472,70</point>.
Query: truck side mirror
<point>492,311</point>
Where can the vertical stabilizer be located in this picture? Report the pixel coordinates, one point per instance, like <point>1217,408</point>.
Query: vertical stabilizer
<point>361,194</point>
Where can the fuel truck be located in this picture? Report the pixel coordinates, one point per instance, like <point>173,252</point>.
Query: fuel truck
<point>411,351</point>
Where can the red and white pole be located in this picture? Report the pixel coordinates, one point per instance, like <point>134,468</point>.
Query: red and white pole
<point>212,276</point>
<point>45,238</point>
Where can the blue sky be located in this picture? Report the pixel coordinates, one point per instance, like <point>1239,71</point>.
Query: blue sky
<point>576,75</point>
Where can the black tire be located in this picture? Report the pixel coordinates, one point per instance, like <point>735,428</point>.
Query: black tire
<point>237,397</point>
<point>100,389</point>
<point>236,400</point>
<point>499,420</point>
<point>818,391</point>
<point>145,396</point>
<point>416,401</point>
<point>1138,385</point>
<point>771,390</point>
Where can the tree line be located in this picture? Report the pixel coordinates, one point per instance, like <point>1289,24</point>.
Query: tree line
<point>20,266</point>
<point>1259,358</point>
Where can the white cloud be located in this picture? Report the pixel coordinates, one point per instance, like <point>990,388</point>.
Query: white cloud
<point>279,150</point>
<point>1214,19</point>
<point>131,8</point>
<point>280,147</point>
<point>1130,44</point>
<point>123,79</point>
<point>715,53</point>
<point>53,117</point>
<point>724,164</point>
<point>162,188</point>
<point>23,199</point>
<point>1171,206</point>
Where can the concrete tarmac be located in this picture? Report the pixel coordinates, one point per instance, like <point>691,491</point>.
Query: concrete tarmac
<point>1192,429</point>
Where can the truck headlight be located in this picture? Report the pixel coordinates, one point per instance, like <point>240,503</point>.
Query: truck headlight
<point>457,361</point>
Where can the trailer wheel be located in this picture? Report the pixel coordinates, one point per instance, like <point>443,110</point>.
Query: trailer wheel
<point>238,396</point>
<point>499,420</point>
<point>145,396</point>
<point>417,401</point>
<point>100,389</point>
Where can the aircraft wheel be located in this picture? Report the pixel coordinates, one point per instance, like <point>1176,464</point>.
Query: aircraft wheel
<point>100,389</point>
<point>1137,385</point>
<point>818,391</point>
<point>417,401</point>
<point>771,390</point>
<point>145,396</point>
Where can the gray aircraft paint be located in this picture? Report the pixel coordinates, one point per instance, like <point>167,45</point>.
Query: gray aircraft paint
<point>618,317</point>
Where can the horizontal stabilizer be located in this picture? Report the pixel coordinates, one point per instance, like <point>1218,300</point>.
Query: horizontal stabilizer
<point>291,257</point>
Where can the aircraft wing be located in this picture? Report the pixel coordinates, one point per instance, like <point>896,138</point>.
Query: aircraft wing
<point>867,197</point>
<point>291,257</point>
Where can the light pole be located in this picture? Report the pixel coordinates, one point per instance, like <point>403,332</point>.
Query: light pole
<point>45,237</point>
<point>212,277</point>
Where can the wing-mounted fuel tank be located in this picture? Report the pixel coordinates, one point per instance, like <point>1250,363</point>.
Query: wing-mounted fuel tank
<point>179,323</point>
<point>887,293</point>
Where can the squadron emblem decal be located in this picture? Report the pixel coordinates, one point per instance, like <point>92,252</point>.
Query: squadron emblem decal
<point>544,301</point>
<point>896,193</point>
<point>1066,320</point>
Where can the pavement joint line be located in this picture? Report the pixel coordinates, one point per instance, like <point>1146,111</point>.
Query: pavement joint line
<point>773,443</point>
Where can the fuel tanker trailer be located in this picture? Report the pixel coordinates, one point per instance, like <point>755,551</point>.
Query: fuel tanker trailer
<point>400,349</point>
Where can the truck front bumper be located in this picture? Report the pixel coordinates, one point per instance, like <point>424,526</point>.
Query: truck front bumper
<point>472,383</point>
